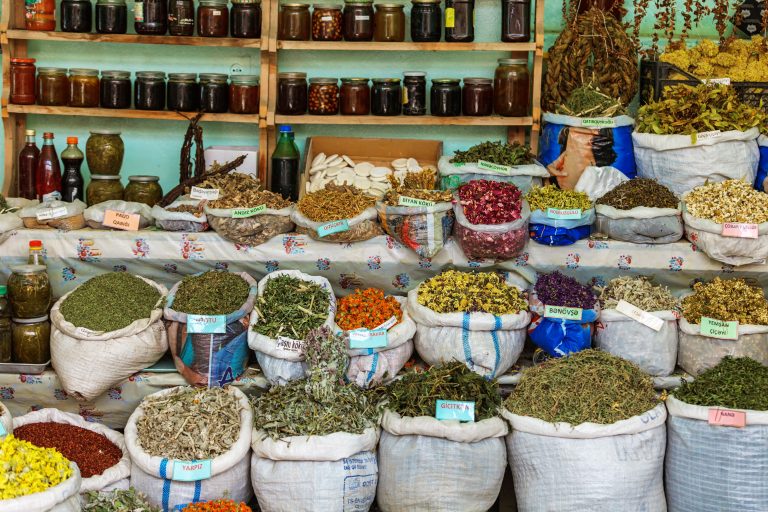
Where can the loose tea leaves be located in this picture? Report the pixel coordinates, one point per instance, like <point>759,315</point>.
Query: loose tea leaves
<point>291,307</point>
<point>589,101</point>
<point>640,292</point>
<point>736,383</point>
<point>118,500</point>
<point>500,153</point>
<point>726,300</point>
<point>211,293</point>
<point>557,289</point>
<point>487,292</point>
<point>728,201</point>
<point>640,192</point>
<point>549,196</point>
<point>335,202</point>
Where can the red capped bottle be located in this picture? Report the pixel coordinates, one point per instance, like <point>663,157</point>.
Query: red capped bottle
<point>48,175</point>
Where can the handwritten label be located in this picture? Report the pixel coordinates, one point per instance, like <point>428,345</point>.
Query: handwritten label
<point>557,213</point>
<point>51,213</point>
<point>363,338</point>
<point>640,315</point>
<point>362,18</point>
<point>206,324</point>
<point>712,328</point>
<point>737,230</point>
<point>191,471</point>
<point>209,194</point>
<point>490,166</point>
<point>450,17</point>
<point>720,81</point>
<point>563,312</point>
<point>289,344</point>
<point>389,323</point>
<point>598,122</point>
<point>119,220</point>
<point>82,332</point>
<point>454,410</point>
<point>336,226</point>
<point>727,418</point>
<point>412,201</point>
<point>698,137</point>
<point>242,213</point>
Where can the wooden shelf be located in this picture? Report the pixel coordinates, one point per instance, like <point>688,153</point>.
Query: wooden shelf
<point>400,47</point>
<point>405,120</point>
<point>128,114</point>
<point>132,39</point>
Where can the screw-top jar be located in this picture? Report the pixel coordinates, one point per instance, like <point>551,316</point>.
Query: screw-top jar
<point>181,17</point>
<point>515,21</point>
<point>29,291</point>
<point>149,90</point>
<point>183,92</point>
<point>143,189</point>
<point>150,17</point>
<point>212,18</point>
<point>323,96</point>
<point>459,21</point>
<point>355,97</point>
<point>111,17</point>
<point>386,97</point>
<point>84,87</point>
<point>326,22</point>
<point>357,22</point>
<point>244,94</point>
<point>115,89</point>
<point>426,21</point>
<point>76,15</point>
<point>445,97</point>
<point>214,93</point>
<point>389,23</point>
<point>52,87</point>
<point>31,340</point>
<point>104,152</point>
<point>291,93</point>
<point>103,188</point>
<point>245,19</point>
<point>294,23</point>
<point>512,88</point>
<point>477,97</point>
<point>22,81</point>
<point>414,93</point>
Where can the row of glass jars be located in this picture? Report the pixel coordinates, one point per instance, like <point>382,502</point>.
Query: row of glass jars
<point>140,189</point>
<point>508,94</point>
<point>359,22</point>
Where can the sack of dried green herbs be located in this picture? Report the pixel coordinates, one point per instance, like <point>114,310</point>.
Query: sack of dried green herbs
<point>105,330</point>
<point>9,218</point>
<point>183,214</point>
<point>424,230</point>
<point>546,225</point>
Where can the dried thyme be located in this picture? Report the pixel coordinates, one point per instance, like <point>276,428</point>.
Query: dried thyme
<point>335,202</point>
<point>501,153</point>
<point>726,300</point>
<point>291,307</point>
<point>640,192</point>
<point>454,291</point>
<point>211,293</point>
<point>118,500</point>
<point>736,382</point>
<point>640,292</point>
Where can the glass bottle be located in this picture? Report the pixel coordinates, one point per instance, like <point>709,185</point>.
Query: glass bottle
<point>285,166</point>
<point>291,93</point>
<point>28,158</point>
<point>72,182</point>
<point>76,15</point>
<point>515,21</point>
<point>459,21</point>
<point>386,97</point>
<point>245,19</point>
<point>181,17</point>
<point>22,81</point>
<point>477,97</point>
<point>40,14</point>
<point>111,17</point>
<point>48,174</point>
<point>36,253</point>
<point>150,17</point>
<point>6,333</point>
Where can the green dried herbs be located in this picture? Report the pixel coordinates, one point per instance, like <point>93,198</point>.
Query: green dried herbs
<point>640,192</point>
<point>501,153</point>
<point>640,292</point>
<point>589,101</point>
<point>291,307</point>
<point>454,291</point>
<point>211,293</point>
<point>588,386</point>
<point>549,196</point>
<point>118,500</point>
<point>726,300</point>
<point>728,201</point>
<point>110,302</point>
<point>735,383</point>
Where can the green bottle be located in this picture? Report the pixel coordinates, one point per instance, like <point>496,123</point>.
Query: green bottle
<point>285,166</point>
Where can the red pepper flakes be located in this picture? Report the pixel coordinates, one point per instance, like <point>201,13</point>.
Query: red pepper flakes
<point>217,506</point>
<point>367,308</point>
<point>92,452</point>
<point>490,202</point>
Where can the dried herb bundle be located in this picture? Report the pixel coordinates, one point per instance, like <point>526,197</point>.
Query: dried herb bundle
<point>640,292</point>
<point>549,196</point>
<point>736,383</point>
<point>588,386</point>
<point>426,179</point>
<point>726,300</point>
<point>335,202</point>
<point>415,393</point>
<point>190,424</point>
<point>238,190</point>
<point>640,192</point>
<point>291,307</point>
<point>728,201</point>
<point>497,152</point>
<point>118,500</point>
<point>454,291</point>
<point>211,293</point>
<point>588,101</point>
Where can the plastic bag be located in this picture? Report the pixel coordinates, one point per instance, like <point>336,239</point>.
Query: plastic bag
<point>678,164</point>
<point>640,225</point>
<point>6,421</point>
<point>210,359</point>
<point>558,336</point>
<point>761,179</point>
<point>64,497</point>
<point>253,230</point>
<point>180,221</point>
<point>697,353</point>
<point>425,230</point>
<point>362,227</point>
<point>710,468</point>
<point>707,236</point>
<point>491,241</point>
<point>598,181</point>
<point>68,216</point>
<point>655,352</point>
<point>548,231</point>
<point>524,177</point>
<point>94,215</point>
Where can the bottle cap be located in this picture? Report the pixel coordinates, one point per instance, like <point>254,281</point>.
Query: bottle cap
<point>3,290</point>
<point>48,135</point>
<point>35,244</point>
<point>71,140</point>
<point>30,133</point>
<point>286,128</point>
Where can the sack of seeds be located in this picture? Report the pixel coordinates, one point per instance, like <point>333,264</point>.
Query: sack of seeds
<point>244,226</point>
<point>289,304</point>
<point>63,497</point>
<point>423,229</point>
<point>105,330</point>
<point>95,215</point>
<point>185,215</point>
<point>54,215</point>
<point>191,444</point>
<point>207,320</point>
<point>6,420</point>
<point>100,453</point>
<point>337,213</point>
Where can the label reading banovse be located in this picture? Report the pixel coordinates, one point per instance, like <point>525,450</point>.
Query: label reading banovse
<point>51,213</point>
<point>336,226</point>
<point>206,324</point>
<point>412,201</point>
<point>563,214</point>
<point>210,194</point>
<point>490,166</point>
<point>289,344</point>
<point>191,470</point>
<point>562,312</point>
<point>242,213</point>
<point>454,410</point>
<point>712,328</point>
<point>640,315</point>
<point>598,122</point>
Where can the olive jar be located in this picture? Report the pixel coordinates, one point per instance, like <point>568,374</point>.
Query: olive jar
<point>512,88</point>
<point>245,19</point>
<point>29,291</point>
<point>291,94</point>
<point>115,89</point>
<point>357,22</point>
<point>214,93</point>
<point>294,23</point>
<point>355,97</point>
<point>326,23</point>
<point>104,152</point>
<point>389,23</point>
<point>426,21</point>
<point>143,189</point>
<point>103,188</point>
<point>31,340</point>
<point>386,97</point>
<point>111,17</point>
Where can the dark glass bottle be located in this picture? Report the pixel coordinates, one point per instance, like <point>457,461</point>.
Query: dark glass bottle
<point>426,21</point>
<point>76,16</point>
<point>414,93</point>
<point>72,182</point>
<point>245,19</point>
<point>111,17</point>
<point>28,158</point>
<point>285,166</point>
<point>150,17</point>
<point>459,21</point>
<point>181,17</point>
<point>48,173</point>
<point>515,21</point>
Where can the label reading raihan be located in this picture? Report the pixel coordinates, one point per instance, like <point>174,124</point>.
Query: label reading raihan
<point>562,312</point>
<point>336,226</point>
<point>561,214</point>
<point>738,230</point>
<point>455,410</point>
<point>712,328</point>
<point>119,220</point>
<point>727,418</point>
<point>191,471</point>
<point>206,324</point>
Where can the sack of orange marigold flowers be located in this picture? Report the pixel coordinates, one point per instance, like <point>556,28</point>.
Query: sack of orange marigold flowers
<point>217,506</point>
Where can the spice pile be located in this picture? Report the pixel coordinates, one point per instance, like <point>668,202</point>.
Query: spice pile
<point>728,201</point>
<point>589,101</point>
<point>415,393</point>
<point>92,452</point>
<point>110,302</point>
<point>190,424</point>
<point>735,383</point>
<point>197,211</point>
<point>726,300</point>
<point>640,292</point>
<point>500,153</point>
<point>222,505</point>
<point>238,190</point>
<point>211,293</point>
<point>27,469</point>
<point>557,289</point>
<point>367,308</point>
<point>290,306</point>
<point>741,60</point>
<point>335,202</point>
<point>487,292</point>
<point>640,192</point>
<point>118,500</point>
<point>490,202</point>
<point>549,196</point>
<point>588,386</point>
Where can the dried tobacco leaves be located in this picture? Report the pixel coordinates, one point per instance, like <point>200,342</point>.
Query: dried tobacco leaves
<point>735,383</point>
<point>487,292</point>
<point>640,292</point>
<point>211,293</point>
<point>291,307</point>
<point>639,192</point>
<point>496,152</point>
<point>726,300</point>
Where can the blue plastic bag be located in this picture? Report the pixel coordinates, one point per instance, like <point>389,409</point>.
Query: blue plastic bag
<point>762,166</point>
<point>559,337</point>
<point>548,231</point>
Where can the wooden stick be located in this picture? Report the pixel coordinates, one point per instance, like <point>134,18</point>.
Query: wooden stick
<point>179,189</point>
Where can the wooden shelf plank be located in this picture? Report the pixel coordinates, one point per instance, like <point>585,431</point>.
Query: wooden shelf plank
<point>400,47</point>
<point>133,39</point>
<point>128,114</point>
<point>405,120</point>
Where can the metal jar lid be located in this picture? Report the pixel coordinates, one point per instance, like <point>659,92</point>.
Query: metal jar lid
<point>83,72</point>
<point>110,2</point>
<point>511,62</point>
<point>451,81</point>
<point>182,77</point>
<point>51,71</point>
<point>142,178</point>
<point>151,75</point>
<point>389,6</point>
<point>104,177</point>
<point>246,1</point>
<point>324,81</point>
<point>358,2</point>
<point>386,80</point>
<point>355,80</point>
<point>292,75</point>
<point>105,132</point>
<point>214,3</point>
<point>477,81</point>
<point>425,1</point>
<point>324,7</point>
<point>414,74</point>
<point>214,77</point>
<point>245,79</point>
<point>115,73</point>
<point>295,6</point>
<point>27,269</point>
<point>38,320</point>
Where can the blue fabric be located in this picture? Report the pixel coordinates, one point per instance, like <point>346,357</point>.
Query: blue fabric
<point>549,235</point>
<point>559,337</point>
<point>166,484</point>
<point>465,341</point>
<point>496,348</point>
<point>198,491</point>
<point>762,169</point>
<point>374,364</point>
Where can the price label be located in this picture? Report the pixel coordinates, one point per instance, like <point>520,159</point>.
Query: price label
<point>727,418</point>
<point>326,18</point>
<point>558,213</point>
<point>712,328</point>
<point>206,324</point>
<point>336,226</point>
<point>697,137</point>
<point>85,333</point>
<point>720,81</point>
<point>598,122</point>
<point>363,338</point>
<point>490,166</point>
<point>242,213</point>
<point>455,410</point>
<point>412,201</point>
<point>119,220</point>
<point>389,323</point>
<point>640,315</point>
<point>362,18</point>
<point>562,312</point>
<point>737,230</point>
<point>51,213</point>
<point>450,17</point>
<point>209,194</point>
<point>289,344</point>
<point>192,470</point>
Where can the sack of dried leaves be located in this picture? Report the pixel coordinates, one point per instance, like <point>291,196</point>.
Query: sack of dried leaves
<point>338,213</point>
<point>66,216</point>
<point>183,214</point>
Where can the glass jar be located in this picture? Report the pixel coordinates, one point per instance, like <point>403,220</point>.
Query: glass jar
<point>111,17</point>
<point>103,188</point>
<point>29,291</point>
<point>291,93</point>
<point>104,152</point>
<point>477,97</point>
<point>414,93</point>
<point>31,340</point>
<point>389,23</point>
<point>143,189</point>
<point>426,21</point>
<point>244,94</point>
<point>149,90</point>
<point>357,20</point>
<point>150,17</point>
<point>515,21</point>
<point>212,18</point>
<point>214,93</point>
<point>386,97</point>
<point>295,22</point>
<point>22,82</point>
<point>326,23</point>
<point>181,17</point>
<point>76,16</point>
<point>323,96</point>
<point>39,14</point>
<point>245,19</point>
<point>355,97</point>
<point>115,89</point>
<point>512,88</point>
<point>52,87</point>
<point>84,88</point>
<point>459,21</point>
<point>445,97</point>
<point>183,92</point>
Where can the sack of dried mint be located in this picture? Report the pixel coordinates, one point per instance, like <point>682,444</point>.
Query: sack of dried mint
<point>210,356</point>
<point>559,217</point>
<point>190,444</point>
<point>338,213</point>
<point>183,214</point>
<point>118,500</point>
<point>105,330</point>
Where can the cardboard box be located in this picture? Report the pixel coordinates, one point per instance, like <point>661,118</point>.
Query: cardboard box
<point>224,154</point>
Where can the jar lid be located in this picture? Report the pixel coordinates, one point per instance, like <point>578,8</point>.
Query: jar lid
<point>83,72</point>
<point>445,80</point>
<point>27,269</point>
<point>246,1</point>
<point>323,6</point>
<point>358,80</point>
<point>110,2</point>
<point>477,80</point>
<point>415,74</point>
<point>245,79</point>
<point>296,6</point>
<point>214,2</point>
<point>37,320</point>
<point>425,1</point>
<point>321,80</point>
<point>23,61</point>
<point>182,76</point>
<point>513,61</point>
<point>104,177</point>
<point>386,80</point>
<point>71,140</point>
<point>151,74</point>
<point>105,132</point>
<point>115,73</point>
<point>35,244</point>
<point>389,6</point>
<point>143,178</point>
<point>358,2</point>
<point>213,77</point>
<point>292,74</point>
<point>51,71</point>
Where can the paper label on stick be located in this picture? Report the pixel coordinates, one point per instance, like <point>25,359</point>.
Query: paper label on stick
<point>206,324</point>
<point>389,323</point>
<point>455,410</point>
<point>640,315</point>
<point>336,226</point>
<point>364,338</point>
<point>563,312</point>
<point>84,333</point>
<point>712,328</point>
<point>720,81</point>
<point>192,470</point>
<point>738,230</point>
<point>120,220</point>
<point>727,418</point>
<point>243,213</point>
<point>558,213</point>
<point>289,344</point>
<point>412,201</point>
<point>209,194</point>
<point>598,122</point>
<point>490,166</point>
<point>51,213</point>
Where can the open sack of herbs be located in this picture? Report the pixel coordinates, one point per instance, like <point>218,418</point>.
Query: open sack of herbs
<point>105,330</point>
<point>559,216</point>
<point>184,214</point>
<point>54,215</point>
<point>337,213</point>
<point>9,218</point>
<point>96,214</point>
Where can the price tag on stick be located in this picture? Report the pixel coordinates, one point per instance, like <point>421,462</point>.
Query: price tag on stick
<point>640,315</point>
<point>727,418</point>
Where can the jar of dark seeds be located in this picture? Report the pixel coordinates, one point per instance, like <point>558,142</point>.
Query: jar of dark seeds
<point>326,23</point>
<point>323,96</point>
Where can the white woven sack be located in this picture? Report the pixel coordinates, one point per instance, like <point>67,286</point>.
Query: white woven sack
<point>655,352</point>
<point>711,468</point>
<point>94,215</point>
<point>679,165</point>
<point>281,365</point>
<point>6,420</point>
<point>153,476</point>
<point>428,464</point>
<point>333,473</point>
<point>598,181</point>
<point>369,217</point>
<point>524,177</point>
<point>707,236</point>
<point>64,497</point>
<point>697,353</point>
<point>115,477</point>
<point>559,467</point>
<point>73,208</point>
<point>9,222</point>
<point>640,225</point>
<point>88,363</point>
<point>179,221</point>
<point>486,343</point>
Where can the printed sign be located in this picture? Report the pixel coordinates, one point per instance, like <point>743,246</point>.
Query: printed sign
<point>191,471</point>
<point>450,17</point>
<point>209,194</point>
<point>51,213</point>
<point>598,122</point>
<point>336,226</point>
<point>557,213</point>
<point>455,410</point>
<point>243,213</point>
<point>712,328</point>
<point>289,344</point>
<point>727,418</point>
<point>119,220</point>
<point>206,324</point>
<point>737,230</point>
<point>412,201</point>
<point>490,166</point>
<point>363,338</point>
<point>640,315</point>
<point>563,312</point>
